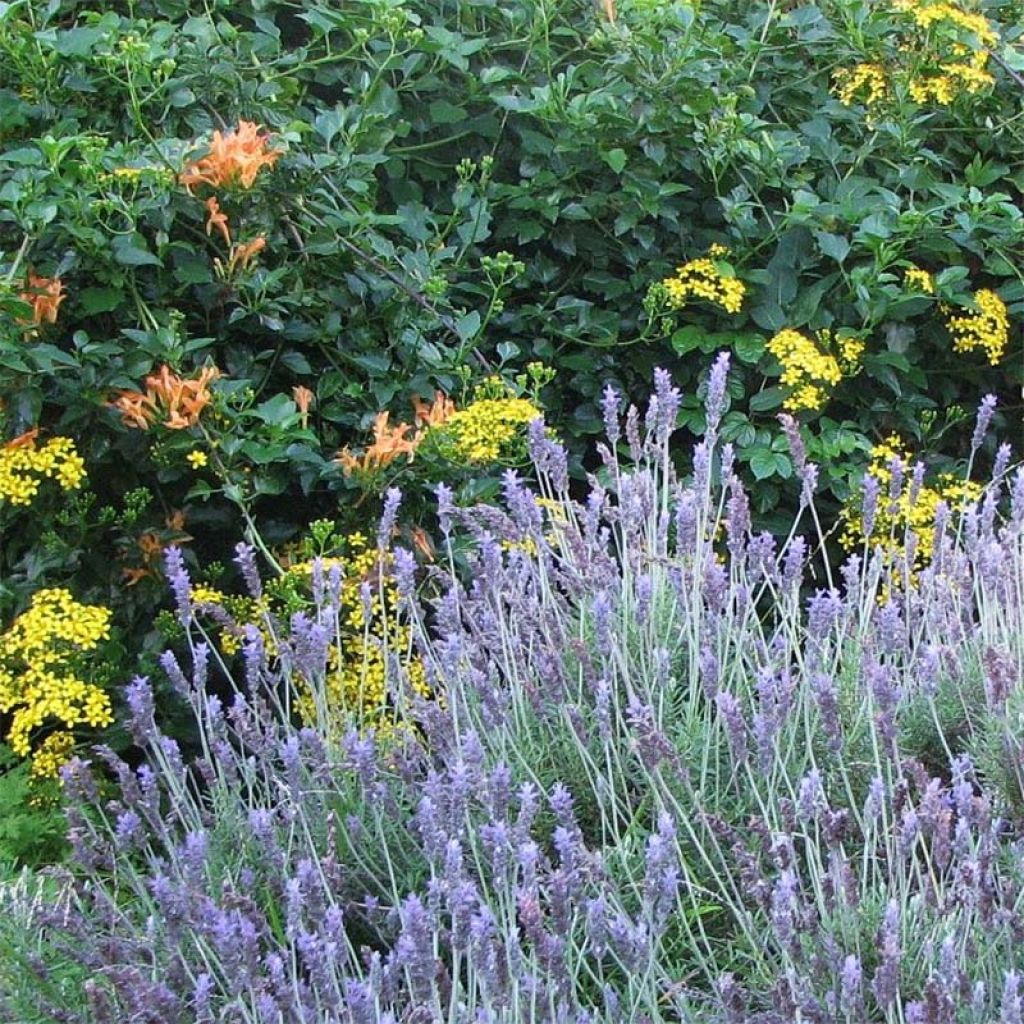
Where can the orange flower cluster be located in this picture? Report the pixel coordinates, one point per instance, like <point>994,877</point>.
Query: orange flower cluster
<point>240,257</point>
<point>44,295</point>
<point>173,401</point>
<point>151,546</point>
<point>235,158</point>
<point>390,442</point>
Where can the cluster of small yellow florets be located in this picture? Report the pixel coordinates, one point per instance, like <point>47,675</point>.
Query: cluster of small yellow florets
<point>912,509</point>
<point>705,278</point>
<point>986,328</point>
<point>808,369</point>
<point>24,464</point>
<point>489,429</point>
<point>41,684</point>
<point>953,80</point>
<point>866,83</point>
<point>928,14</point>
<point>944,55</point>
<point>355,689</point>
<point>917,280</point>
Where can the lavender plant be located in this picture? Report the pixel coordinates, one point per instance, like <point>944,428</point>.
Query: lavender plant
<point>660,776</point>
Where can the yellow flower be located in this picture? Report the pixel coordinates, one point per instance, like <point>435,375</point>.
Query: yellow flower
<point>197,459</point>
<point>927,15</point>
<point>52,754</point>
<point>806,370</point>
<point>24,465</point>
<point>702,278</point>
<point>987,328</point>
<point>917,280</point>
<point>867,82</point>
<point>912,509</point>
<point>42,656</point>
<point>359,685</point>
<point>851,349</point>
<point>487,429</point>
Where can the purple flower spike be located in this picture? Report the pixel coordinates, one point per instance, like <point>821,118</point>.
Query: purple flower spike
<point>610,413</point>
<point>714,404</point>
<point>668,403</point>
<point>245,559</point>
<point>1002,460</point>
<point>388,517</point>
<point>1011,1005</point>
<point>791,429</point>
<point>850,981</point>
<point>181,585</point>
<point>141,722</point>
<point>869,504</point>
<point>986,410</point>
<point>445,507</point>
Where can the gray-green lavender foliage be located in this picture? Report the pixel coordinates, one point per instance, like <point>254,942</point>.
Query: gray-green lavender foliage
<point>663,776</point>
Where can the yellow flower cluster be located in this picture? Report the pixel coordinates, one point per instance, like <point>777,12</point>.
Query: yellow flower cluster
<point>910,510</point>
<point>356,686</point>
<point>927,14</point>
<point>24,465</point>
<point>487,429</point>
<point>703,278</point>
<point>945,57</point>
<point>864,82</point>
<point>355,690</point>
<point>52,754</point>
<point>41,663</point>
<point>952,81</point>
<point>917,280</point>
<point>807,370</point>
<point>850,350</point>
<point>987,328</point>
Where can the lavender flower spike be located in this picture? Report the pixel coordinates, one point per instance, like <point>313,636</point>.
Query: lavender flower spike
<point>610,412</point>
<point>986,410</point>
<point>181,585</point>
<point>141,721</point>
<point>388,517</point>
<point>714,404</point>
<point>668,402</point>
<point>245,559</point>
<point>791,429</point>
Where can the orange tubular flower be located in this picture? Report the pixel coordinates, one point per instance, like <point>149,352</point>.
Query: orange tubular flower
<point>151,546</point>
<point>44,295</point>
<point>174,401</point>
<point>217,220</point>
<point>235,158</point>
<point>388,444</point>
<point>241,256</point>
<point>304,398</point>
<point>25,440</point>
<point>423,543</point>
<point>433,415</point>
